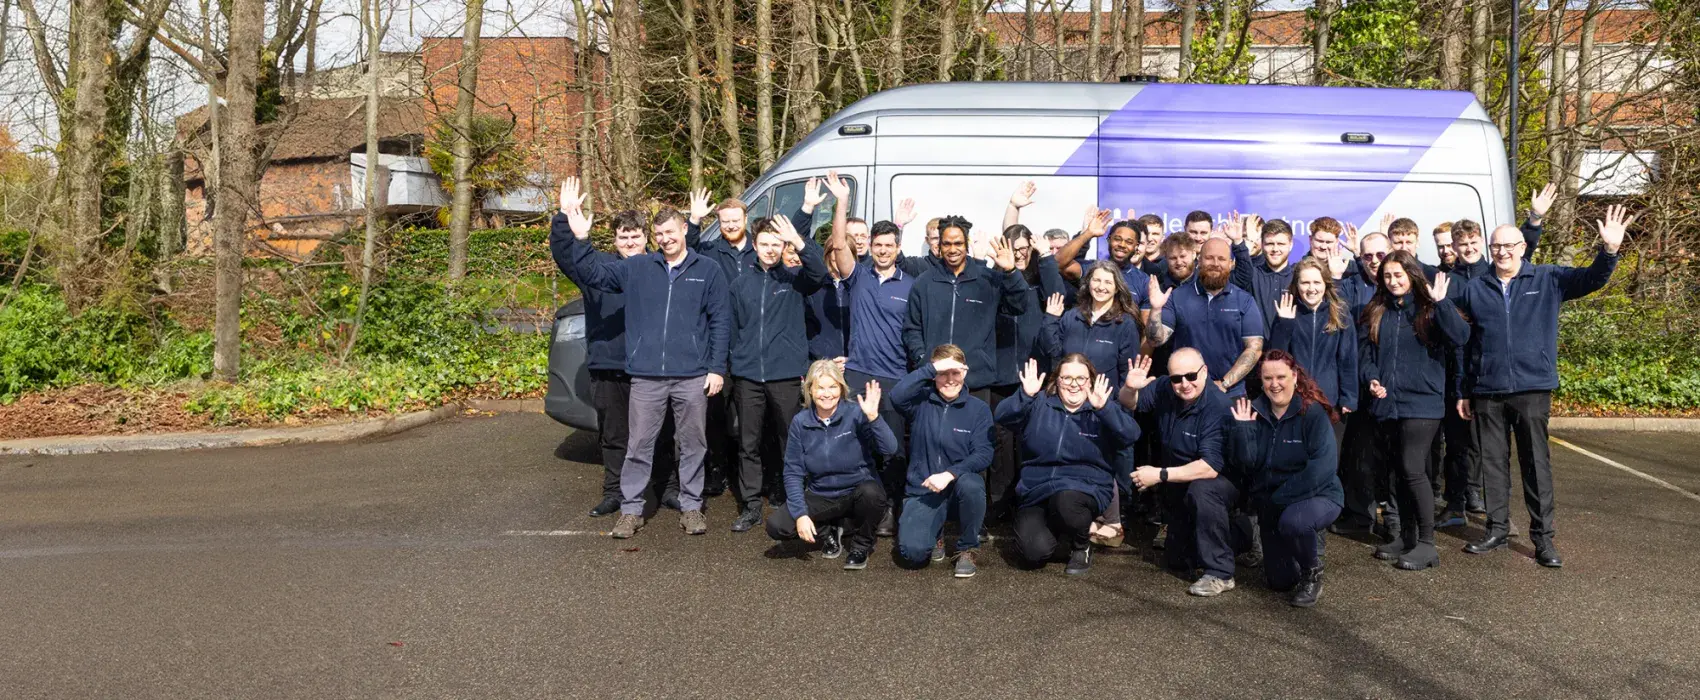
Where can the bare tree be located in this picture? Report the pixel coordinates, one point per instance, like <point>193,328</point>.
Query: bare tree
<point>625,42</point>
<point>1189,21</point>
<point>1094,40</point>
<point>805,74</point>
<point>720,20</point>
<point>947,39</point>
<point>460,210</point>
<point>1135,37</point>
<point>1481,52</point>
<point>764,83</point>
<point>238,183</point>
<point>1584,82</point>
<point>1452,46</point>
<point>693,88</point>
<point>1325,10</point>
<point>894,45</point>
<point>584,70</point>
<point>1028,27</point>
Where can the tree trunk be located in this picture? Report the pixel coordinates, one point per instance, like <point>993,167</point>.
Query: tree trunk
<point>847,27</point>
<point>1452,46</point>
<point>1028,40</point>
<point>460,210</point>
<point>764,83</point>
<point>1582,137</point>
<point>377,183</point>
<point>89,76</point>
<point>693,90</point>
<point>1481,51</point>
<point>1325,10</point>
<point>1094,41</point>
<point>894,49</point>
<point>238,190</point>
<point>1118,27</point>
<point>728,92</point>
<point>1189,21</point>
<point>807,73</point>
<point>1224,26</point>
<point>625,45</point>
<point>1135,37</point>
<point>829,31</point>
<point>584,74</point>
<point>1556,171</point>
<point>947,39</point>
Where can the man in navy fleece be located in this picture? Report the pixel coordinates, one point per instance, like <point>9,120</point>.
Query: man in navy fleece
<point>678,327</point>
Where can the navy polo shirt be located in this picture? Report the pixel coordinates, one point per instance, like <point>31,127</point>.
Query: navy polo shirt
<point>878,310</point>
<point>1216,326</point>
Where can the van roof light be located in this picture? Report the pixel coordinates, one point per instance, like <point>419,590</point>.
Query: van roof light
<point>1357,137</point>
<point>855,130</point>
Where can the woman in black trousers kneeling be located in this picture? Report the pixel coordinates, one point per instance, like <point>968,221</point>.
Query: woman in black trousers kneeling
<point>1283,444</point>
<point>1070,435</point>
<point>829,467</point>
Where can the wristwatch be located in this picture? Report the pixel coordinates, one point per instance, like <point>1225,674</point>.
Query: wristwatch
<point>1163,475</point>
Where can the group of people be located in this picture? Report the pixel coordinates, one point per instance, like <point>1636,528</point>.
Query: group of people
<point>1006,379</point>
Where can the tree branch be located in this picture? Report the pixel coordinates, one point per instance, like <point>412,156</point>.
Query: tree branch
<point>51,72</point>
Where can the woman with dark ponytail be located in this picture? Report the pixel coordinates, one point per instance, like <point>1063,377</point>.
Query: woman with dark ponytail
<point>1402,355</point>
<point>1283,446</point>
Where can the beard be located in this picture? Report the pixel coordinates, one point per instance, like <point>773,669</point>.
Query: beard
<point>1214,278</point>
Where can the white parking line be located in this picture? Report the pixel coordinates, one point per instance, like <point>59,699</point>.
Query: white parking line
<point>552,533</point>
<point>1626,468</point>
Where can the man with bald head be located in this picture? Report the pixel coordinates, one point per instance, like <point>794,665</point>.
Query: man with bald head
<point>1197,495</point>
<point>1363,474</point>
<point>1511,369</point>
<point>1221,321</point>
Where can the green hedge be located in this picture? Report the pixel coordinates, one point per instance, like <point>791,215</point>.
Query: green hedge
<point>490,252</point>
<point>1618,355</point>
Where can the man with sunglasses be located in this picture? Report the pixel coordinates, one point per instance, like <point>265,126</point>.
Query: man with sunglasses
<point>1197,495</point>
<point>1360,454</point>
<point>1511,370</point>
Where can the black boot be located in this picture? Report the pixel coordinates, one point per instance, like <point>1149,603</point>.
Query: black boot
<point>1309,589</point>
<point>1404,539</point>
<point>609,506</point>
<point>1420,557</point>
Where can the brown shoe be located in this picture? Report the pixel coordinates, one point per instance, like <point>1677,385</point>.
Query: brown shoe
<point>627,526</point>
<point>693,522</point>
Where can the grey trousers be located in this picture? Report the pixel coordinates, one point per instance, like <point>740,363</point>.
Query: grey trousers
<point>646,412</point>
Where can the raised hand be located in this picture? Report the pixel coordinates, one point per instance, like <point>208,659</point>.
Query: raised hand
<point>1437,288</point>
<point>1542,201</point>
<point>1376,389</point>
<point>1002,255</point>
<point>1252,228</point>
<point>1100,391</point>
<point>905,212</point>
<point>788,233</point>
<point>699,205</point>
<point>1286,308</point>
<point>1099,221</point>
<point>1337,264</point>
<point>1350,241</point>
<point>1242,410</point>
<point>870,400</point>
<point>839,188</point>
<point>812,196</point>
<point>572,207</point>
<point>1154,292</point>
<point>1614,226</point>
<point>1032,380</point>
<point>1023,194</point>
<point>1054,305</point>
<point>946,365</point>
<point>1387,222</point>
<point>1139,373</point>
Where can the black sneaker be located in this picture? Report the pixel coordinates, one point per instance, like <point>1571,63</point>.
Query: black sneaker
<point>1309,589</point>
<point>830,546</point>
<point>1079,562</point>
<point>609,506</point>
<point>748,518</point>
<point>857,560</point>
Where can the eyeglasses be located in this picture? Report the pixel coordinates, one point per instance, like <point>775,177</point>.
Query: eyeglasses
<point>1189,377</point>
<point>1505,247</point>
<point>1073,381</point>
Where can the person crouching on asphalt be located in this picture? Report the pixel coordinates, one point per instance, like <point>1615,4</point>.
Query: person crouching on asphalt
<point>950,447</point>
<point>830,483</point>
<point>1070,434</point>
<point>1284,445</point>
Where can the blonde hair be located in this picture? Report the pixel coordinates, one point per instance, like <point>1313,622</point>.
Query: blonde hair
<point>823,371</point>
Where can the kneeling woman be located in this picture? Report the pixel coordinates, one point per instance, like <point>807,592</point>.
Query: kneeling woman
<point>829,468</point>
<point>1070,435</point>
<point>1283,444</point>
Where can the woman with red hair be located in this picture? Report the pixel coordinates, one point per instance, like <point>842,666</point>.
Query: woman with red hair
<point>1283,444</point>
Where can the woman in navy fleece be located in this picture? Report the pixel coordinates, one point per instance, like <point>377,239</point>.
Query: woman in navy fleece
<point>1402,353</point>
<point>1283,446</point>
<point>1069,438</point>
<point>1315,326</point>
<point>829,467</point>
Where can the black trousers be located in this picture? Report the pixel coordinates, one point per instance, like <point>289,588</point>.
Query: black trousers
<point>858,512</point>
<point>1006,462</point>
<point>1408,441</point>
<point>1064,518</point>
<point>1359,466</point>
<point>764,409</point>
<point>610,395</point>
<point>1524,416</point>
<point>720,430</point>
<point>1462,467</point>
<point>893,470</point>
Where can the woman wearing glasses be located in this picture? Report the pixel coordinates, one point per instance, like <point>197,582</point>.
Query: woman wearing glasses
<point>1070,433</point>
<point>1197,493</point>
<point>1314,325</point>
<point>1283,446</point>
<point>1402,357</point>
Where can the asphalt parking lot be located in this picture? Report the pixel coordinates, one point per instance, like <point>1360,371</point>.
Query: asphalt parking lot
<point>456,560</point>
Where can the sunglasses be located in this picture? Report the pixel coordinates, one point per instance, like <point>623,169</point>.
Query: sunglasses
<point>1189,377</point>
<point>1376,256</point>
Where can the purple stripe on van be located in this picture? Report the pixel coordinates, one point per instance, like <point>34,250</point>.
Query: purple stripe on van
<point>1174,148</point>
